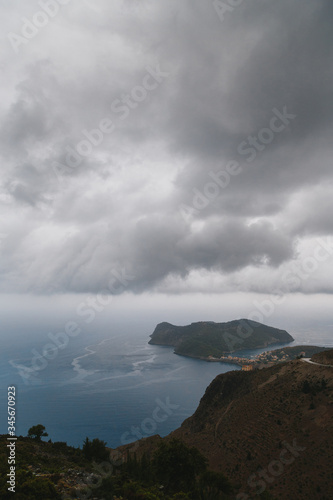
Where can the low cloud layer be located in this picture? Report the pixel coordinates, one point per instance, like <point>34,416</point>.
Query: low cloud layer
<point>182,146</point>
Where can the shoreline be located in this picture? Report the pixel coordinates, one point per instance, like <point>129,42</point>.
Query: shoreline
<point>267,358</point>
<point>211,359</point>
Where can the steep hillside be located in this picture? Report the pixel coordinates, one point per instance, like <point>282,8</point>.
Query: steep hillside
<point>266,432</point>
<point>270,429</point>
<point>206,338</point>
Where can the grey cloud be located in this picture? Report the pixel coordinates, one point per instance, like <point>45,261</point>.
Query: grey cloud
<point>119,207</point>
<point>233,246</point>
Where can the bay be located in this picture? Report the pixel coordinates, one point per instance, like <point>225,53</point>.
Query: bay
<point>117,388</point>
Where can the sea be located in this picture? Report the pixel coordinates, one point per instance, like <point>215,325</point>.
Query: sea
<point>111,386</point>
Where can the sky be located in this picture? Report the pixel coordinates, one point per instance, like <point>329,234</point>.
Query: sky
<point>166,149</point>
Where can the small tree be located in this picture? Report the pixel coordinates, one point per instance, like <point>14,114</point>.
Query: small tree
<point>95,449</point>
<point>177,466</point>
<point>37,432</point>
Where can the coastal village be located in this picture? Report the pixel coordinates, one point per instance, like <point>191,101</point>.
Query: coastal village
<point>264,359</point>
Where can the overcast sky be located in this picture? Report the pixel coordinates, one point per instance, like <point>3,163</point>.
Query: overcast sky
<point>166,146</point>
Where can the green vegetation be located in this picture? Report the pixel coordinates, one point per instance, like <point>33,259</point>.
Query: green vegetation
<point>47,471</point>
<point>176,466</point>
<point>198,348</point>
<point>37,432</point>
<point>39,466</point>
<point>95,450</point>
<point>174,472</point>
<point>28,486</point>
<point>204,339</point>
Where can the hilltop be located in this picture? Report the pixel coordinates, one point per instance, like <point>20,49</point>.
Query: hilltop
<point>269,358</point>
<point>324,357</point>
<point>290,353</point>
<point>207,339</point>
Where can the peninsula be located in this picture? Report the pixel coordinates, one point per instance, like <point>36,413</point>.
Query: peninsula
<point>211,341</point>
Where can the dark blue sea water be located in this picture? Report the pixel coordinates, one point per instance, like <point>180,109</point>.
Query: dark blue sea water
<point>114,387</point>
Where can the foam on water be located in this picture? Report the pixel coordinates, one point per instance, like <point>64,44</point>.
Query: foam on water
<point>103,389</point>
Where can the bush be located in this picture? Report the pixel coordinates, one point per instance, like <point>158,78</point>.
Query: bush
<point>177,466</point>
<point>37,432</point>
<point>95,450</point>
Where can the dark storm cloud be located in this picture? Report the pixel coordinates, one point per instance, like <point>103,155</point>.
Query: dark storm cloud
<point>185,92</point>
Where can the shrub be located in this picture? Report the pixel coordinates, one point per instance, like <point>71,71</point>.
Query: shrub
<point>37,432</point>
<point>95,450</point>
